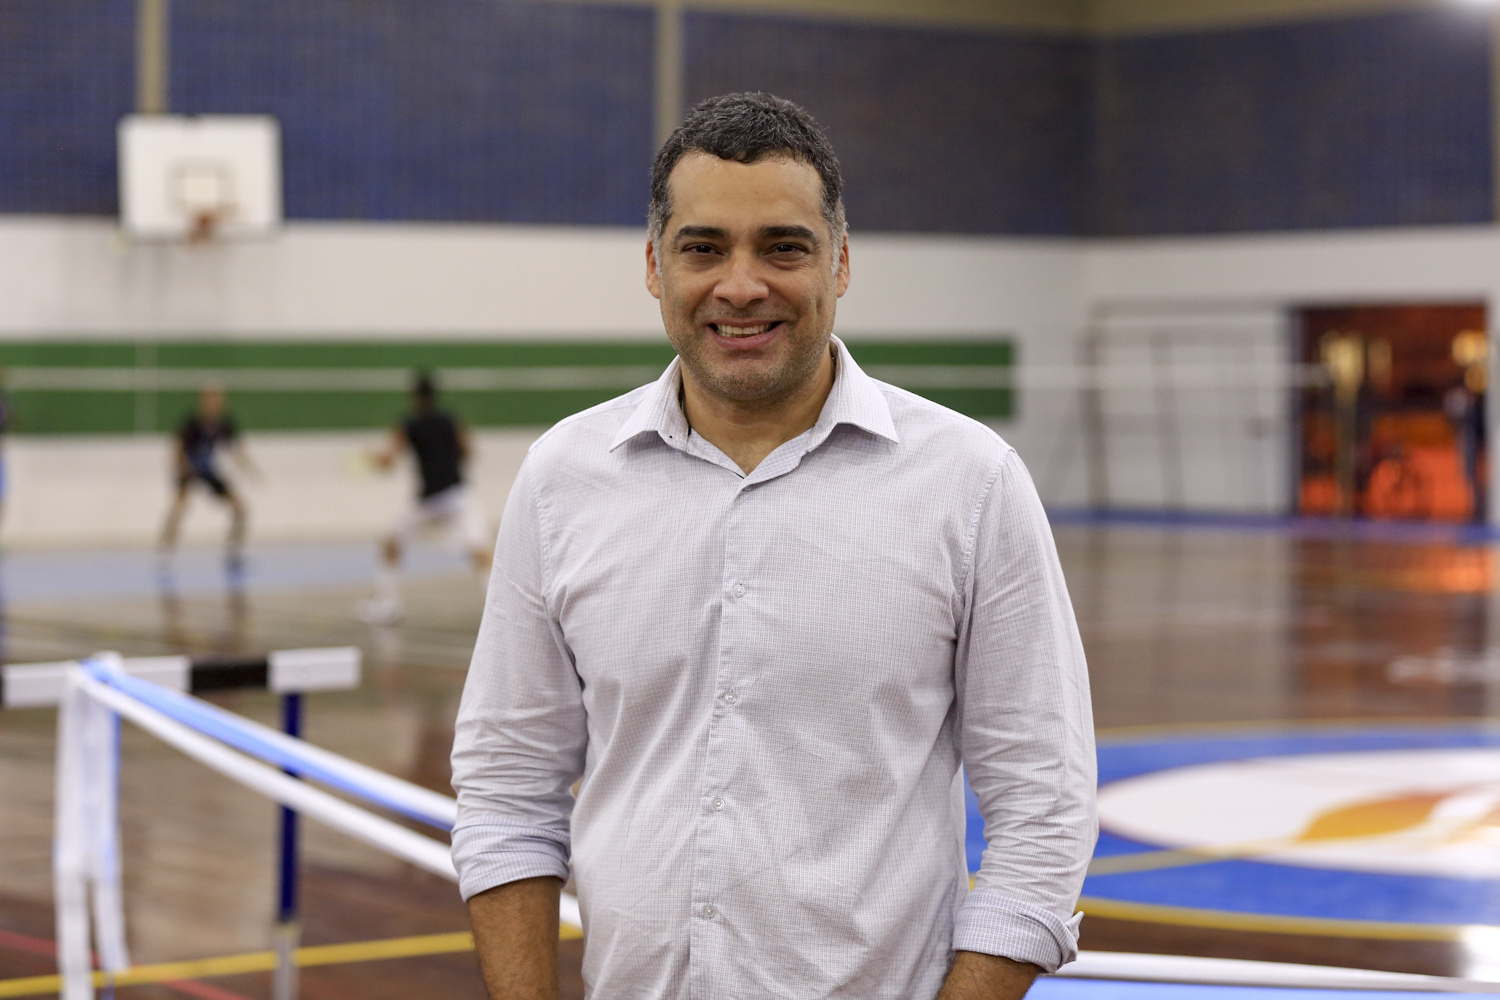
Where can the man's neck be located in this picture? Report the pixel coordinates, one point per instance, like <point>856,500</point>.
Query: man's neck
<point>748,432</point>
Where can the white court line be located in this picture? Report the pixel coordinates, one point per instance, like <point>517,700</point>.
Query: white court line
<point>1238,972</point>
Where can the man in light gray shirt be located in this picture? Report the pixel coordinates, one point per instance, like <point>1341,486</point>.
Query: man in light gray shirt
<point>763,611</point>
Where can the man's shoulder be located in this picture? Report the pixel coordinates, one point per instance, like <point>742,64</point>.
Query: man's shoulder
<point>940,432</point>
<point>586,434</point>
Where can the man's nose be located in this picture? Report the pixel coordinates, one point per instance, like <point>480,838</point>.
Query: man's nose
<point>741,284</point>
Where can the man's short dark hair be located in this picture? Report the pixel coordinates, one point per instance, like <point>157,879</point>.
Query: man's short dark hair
<point>747,128</point>
<point>424,388</point>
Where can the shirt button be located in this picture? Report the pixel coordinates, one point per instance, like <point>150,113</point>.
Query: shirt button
<point>739,590</point>
<point>732,698</point>
<point>718,805</point>
<point>710,912</point>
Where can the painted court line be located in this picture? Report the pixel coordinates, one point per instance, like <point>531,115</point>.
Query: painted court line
<point>1186,916</point>
<point>265,961</point>
<point>1150,861</point>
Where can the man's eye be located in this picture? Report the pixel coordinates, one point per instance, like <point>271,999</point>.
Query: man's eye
<point>788,248</point>
<point>699,248</point>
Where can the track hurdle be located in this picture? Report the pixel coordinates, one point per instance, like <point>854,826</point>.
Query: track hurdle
<point>289,673</point>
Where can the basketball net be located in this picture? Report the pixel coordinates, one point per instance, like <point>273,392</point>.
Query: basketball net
<point>204,223</point>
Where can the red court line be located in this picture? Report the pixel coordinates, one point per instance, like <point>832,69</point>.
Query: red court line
<point>27,943</point>
<point>191,987</point>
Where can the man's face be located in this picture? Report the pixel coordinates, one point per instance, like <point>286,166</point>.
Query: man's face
<point>211,403</point>
<point>747,283</point>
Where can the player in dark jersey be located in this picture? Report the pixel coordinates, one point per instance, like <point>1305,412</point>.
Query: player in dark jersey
<point>440,445</point>
<point>201,437</point>
<point>4,426</point>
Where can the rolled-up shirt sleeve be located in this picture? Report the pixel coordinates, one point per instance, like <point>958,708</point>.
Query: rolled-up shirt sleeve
<point>1026,732</point>
<point>520,737</point>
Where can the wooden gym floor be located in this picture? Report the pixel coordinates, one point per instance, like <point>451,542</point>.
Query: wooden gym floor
<point>1183,625</point>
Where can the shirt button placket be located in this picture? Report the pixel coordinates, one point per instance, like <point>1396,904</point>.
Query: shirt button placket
<point>716,834</point>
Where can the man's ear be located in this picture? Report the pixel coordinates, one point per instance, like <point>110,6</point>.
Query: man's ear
<point>841,280</point>
<point>653,276</point>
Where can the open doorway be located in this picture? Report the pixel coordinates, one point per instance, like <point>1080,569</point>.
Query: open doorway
<point>1398,430</point>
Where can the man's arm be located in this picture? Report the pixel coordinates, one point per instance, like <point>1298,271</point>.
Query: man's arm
<point>1026,730</point>
<point>515,934</point>
<point>519,745</point>
<point>465,441</point>
<point>243,462</point>
<point>988,977</point>
<point>395,443</point>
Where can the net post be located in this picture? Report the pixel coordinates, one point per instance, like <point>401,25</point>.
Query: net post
<point>288,929</point>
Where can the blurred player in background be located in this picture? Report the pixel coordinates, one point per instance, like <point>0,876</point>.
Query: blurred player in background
<point>202,435</point>
<point>441,447</point>
<point>4,426</point>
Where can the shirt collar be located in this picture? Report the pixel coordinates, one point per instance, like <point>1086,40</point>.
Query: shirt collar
<point>658,410</point>
<point>855,399</point>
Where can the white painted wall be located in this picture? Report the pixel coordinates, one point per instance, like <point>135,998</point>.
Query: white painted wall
<point>1302,268</point>
<point>77,276</point>
<point>70,277</point>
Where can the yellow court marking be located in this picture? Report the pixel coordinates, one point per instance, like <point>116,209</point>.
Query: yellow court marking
<point>265,961</point>
<point>1150,861</point>
<point>1186,916</point>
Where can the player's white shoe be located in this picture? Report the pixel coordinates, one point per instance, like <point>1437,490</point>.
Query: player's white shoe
<point>380,611</point>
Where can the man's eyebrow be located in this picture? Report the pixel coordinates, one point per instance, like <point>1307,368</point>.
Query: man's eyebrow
<point>789,233</point>
<point>699,233</point>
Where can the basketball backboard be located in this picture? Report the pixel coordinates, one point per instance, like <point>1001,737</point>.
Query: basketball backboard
<point>199,177</point>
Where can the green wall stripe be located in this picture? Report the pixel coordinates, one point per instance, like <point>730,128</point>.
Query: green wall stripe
<point>115,387</point>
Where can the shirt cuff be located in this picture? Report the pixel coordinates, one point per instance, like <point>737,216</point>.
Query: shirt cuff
<point>993,923</point>
<point>491,854</point>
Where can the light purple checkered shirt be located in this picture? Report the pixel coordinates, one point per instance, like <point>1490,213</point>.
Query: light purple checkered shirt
<point>767,684</point>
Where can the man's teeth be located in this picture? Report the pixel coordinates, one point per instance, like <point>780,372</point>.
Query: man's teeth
<point>743,331</point>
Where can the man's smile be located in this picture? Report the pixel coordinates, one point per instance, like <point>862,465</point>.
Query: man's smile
<point>743,335</point>
<point>744,329</point>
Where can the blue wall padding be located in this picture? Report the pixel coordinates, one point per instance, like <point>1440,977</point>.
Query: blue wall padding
<point>1379,120</point>
<point>512,111</point>
<point>1095,989</point>
<point>947,131</point>
<point>473,110</point>
<point>67,74</point>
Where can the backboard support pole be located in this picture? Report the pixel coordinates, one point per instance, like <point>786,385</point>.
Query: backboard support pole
<point>668,68</point>
<point>152,36</point>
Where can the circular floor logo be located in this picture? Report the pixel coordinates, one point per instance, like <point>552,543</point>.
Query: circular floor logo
<point>1409,812</point>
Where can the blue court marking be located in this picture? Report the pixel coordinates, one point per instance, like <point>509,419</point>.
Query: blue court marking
<point>1049,988</point>
<point>1411,532</point>
<point>1276,889</point>
<point>1126,758</point>
<point>63,575</point>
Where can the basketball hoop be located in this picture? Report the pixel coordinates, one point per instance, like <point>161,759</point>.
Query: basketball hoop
<point>199,179</point>
<point>204,191</point>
